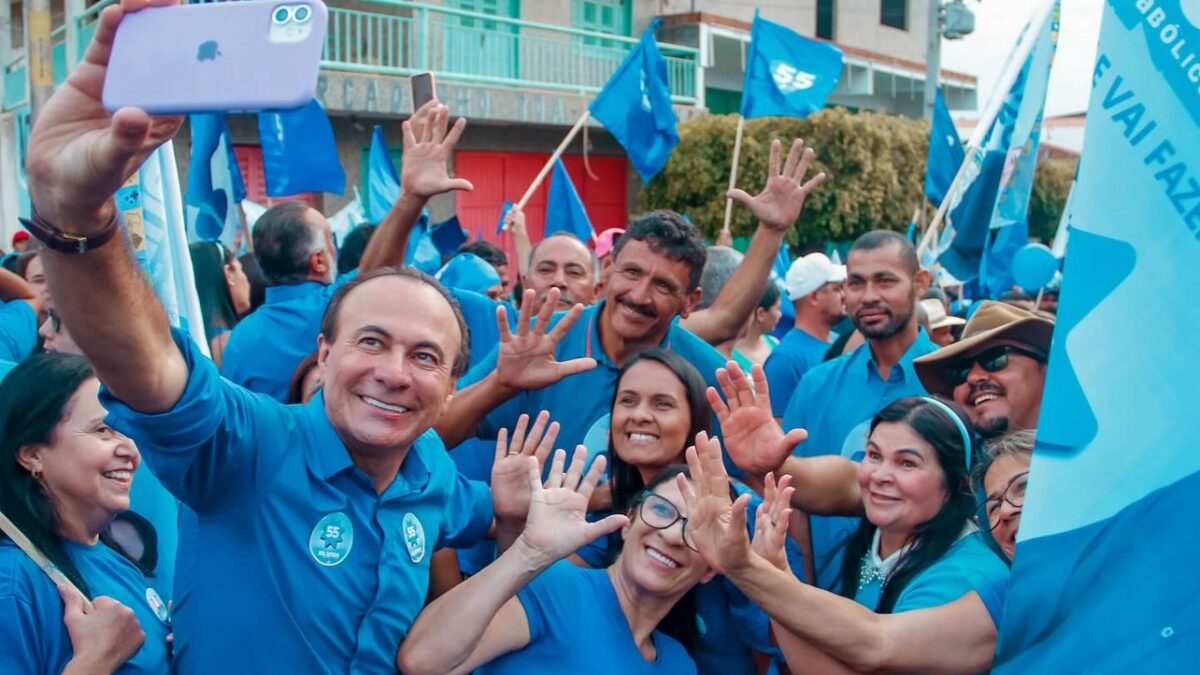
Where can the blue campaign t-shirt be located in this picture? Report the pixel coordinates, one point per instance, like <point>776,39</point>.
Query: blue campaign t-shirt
<point>835,403</point>
<point>289,560</point>
<point>266,346</point>
<point>581,403</point>
<point>31,610</point>
<point>576,626</point>
<point>797,353</point>
<point>969,565</point>
<point>18,330</point>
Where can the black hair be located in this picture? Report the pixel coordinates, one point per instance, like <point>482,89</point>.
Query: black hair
<point>668,234</point>
<point>625,479</point>
<point>932,539</point>
<point>351,250</point>
<point>258,281</point>
<point>880,238</point>
<point>295,390</point>
<point>33,401</point>
<point>770,296</point>
<point>208,269</point>
<point>329,320</point>
<point>491,253</point>
<point>23,260</point>
<point>283,242</point>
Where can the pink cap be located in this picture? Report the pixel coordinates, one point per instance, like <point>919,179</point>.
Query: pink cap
<point>605,241</point>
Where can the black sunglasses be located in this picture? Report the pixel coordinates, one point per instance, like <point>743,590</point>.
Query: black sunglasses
<point>55,320</point>
<point>993,361</point>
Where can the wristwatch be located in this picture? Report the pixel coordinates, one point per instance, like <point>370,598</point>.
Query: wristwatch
<point>55,239</point>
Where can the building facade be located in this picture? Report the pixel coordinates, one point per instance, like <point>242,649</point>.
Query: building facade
<point>522,72</point>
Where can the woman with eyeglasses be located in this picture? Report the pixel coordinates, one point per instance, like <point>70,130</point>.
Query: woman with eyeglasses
<point>531,611</point>
<point>64,477</point>
<point>56,339</point>
<point>659,405</point>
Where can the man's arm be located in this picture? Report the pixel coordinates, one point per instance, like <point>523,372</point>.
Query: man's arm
<point>78,157</point>
<point>427,146</point>
<point>777,208</point>
<point>516,223</point>
<point>13,287</point>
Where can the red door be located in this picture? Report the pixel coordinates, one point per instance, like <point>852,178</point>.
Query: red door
<point>250,162</point>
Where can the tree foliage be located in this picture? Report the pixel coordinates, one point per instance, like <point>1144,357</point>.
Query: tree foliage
<point>1051,185</point>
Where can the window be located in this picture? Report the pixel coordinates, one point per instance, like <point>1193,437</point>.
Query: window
<point>894,13</point>
<point>826,9</point>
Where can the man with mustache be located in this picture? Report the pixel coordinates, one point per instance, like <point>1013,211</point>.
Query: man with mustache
<point>997,371</point>
<point>569,367</point>
<point>836,400</point>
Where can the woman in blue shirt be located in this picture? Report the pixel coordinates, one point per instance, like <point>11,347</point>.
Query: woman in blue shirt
<point>64,476</point>
<point>529,611</point>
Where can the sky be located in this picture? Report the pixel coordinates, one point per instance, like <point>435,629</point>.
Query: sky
<point>997,23</point>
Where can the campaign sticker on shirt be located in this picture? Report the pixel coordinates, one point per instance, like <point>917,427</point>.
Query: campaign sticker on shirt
<point>414,537</point>
<point>332,539</point>
<point>158,606</point>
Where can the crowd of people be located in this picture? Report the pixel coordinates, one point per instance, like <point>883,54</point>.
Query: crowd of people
<point>622,463</point>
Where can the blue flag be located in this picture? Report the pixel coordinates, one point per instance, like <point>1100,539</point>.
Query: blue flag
<point>504,209</point>
<point>214,182</point>
<point>299,153</point>
<point>383,183</point>
<point>1104,575</point>
<point>564,208</point>
<point>787,74</point>
<point>635,107</point>
<point>994,192</point>
<point>946,152</point>
<point>422,253</point>
<point>448,235</point>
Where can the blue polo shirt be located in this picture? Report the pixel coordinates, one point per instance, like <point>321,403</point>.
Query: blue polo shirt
<point>969,565</point>
<point>576,626</point>
<point>289,561</point>
<point>18,330</point>
<point>31,610</point>
<point>582,403</point>
<point>266,346</point>
<point>797,353</point>
<point>835,403</point>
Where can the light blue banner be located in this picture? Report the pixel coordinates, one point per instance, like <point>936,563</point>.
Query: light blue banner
<point>1104,577</point>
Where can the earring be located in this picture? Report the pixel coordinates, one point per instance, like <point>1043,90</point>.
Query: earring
<point>37,474</point>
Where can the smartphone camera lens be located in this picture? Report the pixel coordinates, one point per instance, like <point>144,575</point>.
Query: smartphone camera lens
<point>302,13</point>
<point>281,15</point>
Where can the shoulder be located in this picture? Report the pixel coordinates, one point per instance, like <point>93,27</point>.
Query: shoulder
<point>20,579</point>
<point>18,309</point>
<point>672,657</point>
<point>969,565</point>
<point>826,372</point>
<point>691,347</point>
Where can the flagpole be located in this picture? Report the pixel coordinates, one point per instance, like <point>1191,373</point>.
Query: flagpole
<point>562,147</point>
<point>10,529</point>
<point>940,214</point>
<point>733,171</point>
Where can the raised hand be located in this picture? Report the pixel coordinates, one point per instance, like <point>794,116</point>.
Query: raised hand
<point>718,525</point>
<point>779,204</point>
<point>514,220</point>
<point>427,147</point>
<point>527,360</point>
<point>771,521</point>
<point>510,470</point>
<point>104,637</point>
<point>79,154</point>
<point>755,441</point>
<point>557,525</point>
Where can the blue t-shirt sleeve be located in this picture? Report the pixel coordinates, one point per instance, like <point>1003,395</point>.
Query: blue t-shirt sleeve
<point>783,374</point>
<point>994,593</point>
<point>969,566</point>
<point>211,448</point>
<point>18,330</point>
<point>35,639</point>
<point>469,512</point>
<point>796,414</point>
<point>552,599</point>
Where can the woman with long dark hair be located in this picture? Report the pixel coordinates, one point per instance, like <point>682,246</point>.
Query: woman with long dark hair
<point>223,289</point>
<point>64,476</point>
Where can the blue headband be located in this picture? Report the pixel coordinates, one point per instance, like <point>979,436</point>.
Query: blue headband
<point>962,428</point>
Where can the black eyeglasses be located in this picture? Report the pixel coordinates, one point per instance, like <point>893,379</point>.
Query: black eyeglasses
<point>1014,494</point>
<point>658,512</point>
<point>55,320</point>
<point>993,361</point>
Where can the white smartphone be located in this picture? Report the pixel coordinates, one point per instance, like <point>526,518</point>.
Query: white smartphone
<point>220,56</point>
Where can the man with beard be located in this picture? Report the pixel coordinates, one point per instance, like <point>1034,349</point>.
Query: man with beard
<point>653,280</point>
<point>837,399</point>
<point>997,371</point>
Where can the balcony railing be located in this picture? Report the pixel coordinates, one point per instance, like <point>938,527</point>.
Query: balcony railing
<point>395,37</point>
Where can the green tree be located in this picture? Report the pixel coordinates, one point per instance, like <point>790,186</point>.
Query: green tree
<point>1051,185</point>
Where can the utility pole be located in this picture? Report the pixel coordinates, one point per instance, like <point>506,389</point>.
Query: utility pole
<point>933,55</point>
<point>39,59</point>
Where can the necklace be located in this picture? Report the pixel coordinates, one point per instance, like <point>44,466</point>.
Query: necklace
<point>876,569</point>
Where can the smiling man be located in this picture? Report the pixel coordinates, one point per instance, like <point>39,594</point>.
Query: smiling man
<point>997,371</point>
<point>836,400</point>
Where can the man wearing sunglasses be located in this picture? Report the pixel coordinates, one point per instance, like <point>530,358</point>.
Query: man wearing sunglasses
<point>997,371</point>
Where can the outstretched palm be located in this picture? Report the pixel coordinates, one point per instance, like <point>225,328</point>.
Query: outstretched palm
<point>510,469</point>
<point>779,204</point>
<point>557,525</point>
<point>718,525</point>
<point>753,438</point>
<point>427,147</point>
<point>527,360</point>
<point>79,154</point>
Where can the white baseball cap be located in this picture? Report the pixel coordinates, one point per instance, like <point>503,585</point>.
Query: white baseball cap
<point>811,272</point>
